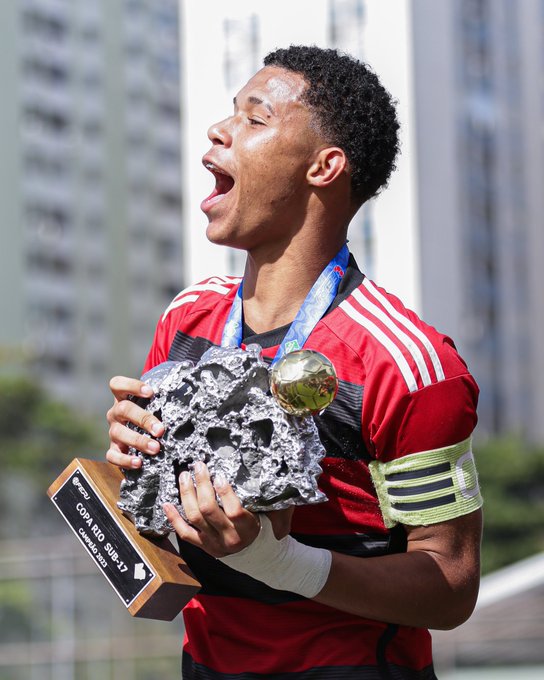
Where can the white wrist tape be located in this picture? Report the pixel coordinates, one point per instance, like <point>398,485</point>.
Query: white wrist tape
<point>283,565</point>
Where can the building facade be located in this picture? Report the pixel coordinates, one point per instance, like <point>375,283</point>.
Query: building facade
<point>479,101</point>
<point>90,197</point>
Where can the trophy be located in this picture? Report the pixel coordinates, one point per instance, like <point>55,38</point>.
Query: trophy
<point>230,411</point>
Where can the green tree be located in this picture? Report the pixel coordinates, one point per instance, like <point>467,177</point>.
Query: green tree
<point>40,436</point>
<point>512,481</point>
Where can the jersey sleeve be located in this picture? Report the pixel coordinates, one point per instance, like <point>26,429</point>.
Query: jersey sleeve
<point>158,352</point>
<point>207,298</point>
<point>424,470</point>
<point>165,331</point>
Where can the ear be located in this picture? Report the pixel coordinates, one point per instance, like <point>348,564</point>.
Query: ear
<point>328,165</point>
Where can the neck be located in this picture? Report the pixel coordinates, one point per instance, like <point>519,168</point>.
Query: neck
<point>276,284</point>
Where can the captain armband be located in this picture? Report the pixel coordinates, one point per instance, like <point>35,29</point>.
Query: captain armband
<point>428,487</point>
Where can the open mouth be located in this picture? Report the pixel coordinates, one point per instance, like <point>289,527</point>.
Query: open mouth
<point>223,184</point>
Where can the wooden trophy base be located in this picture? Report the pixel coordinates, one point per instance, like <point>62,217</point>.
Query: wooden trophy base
<point>148,575</point>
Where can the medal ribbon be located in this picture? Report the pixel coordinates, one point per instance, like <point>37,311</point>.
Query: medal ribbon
<point>317,302</point>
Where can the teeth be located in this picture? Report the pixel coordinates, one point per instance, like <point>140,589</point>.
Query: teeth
<point>214,168</point>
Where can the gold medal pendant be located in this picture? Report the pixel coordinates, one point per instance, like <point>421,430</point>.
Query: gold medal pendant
<point>304,382</point>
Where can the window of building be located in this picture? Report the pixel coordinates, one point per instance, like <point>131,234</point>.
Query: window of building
<point>48,121</point>
<point>46,25</point>
<point>47,72</point>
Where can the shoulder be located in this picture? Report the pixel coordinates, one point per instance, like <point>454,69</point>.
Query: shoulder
<point>206,293</point>
<point>418,392</point>
<point>196,310</point>
<point>389,337</point>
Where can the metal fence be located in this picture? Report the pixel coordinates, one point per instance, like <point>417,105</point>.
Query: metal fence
<point>59,618</point>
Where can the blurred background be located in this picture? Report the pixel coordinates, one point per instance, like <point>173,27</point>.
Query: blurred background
<point>103,120</point>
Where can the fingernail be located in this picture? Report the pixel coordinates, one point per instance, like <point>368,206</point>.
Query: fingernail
<point>153,446</point>
<point>198,466</point>
<point>135,463</point>
<point>220,480</point>
<point>184,478</point>
<point>156,429</point>
<point>167,507</point>
<point>146,391</point>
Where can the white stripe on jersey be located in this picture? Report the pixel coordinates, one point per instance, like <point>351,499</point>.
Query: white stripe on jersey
<point>178,302</point>
<point>410,345</point>
<point>212,284</point>
<point>405,321</point>
<point>389,345</point>
<point>225,280</point>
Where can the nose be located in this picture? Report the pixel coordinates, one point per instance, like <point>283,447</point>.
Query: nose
<point>219,133</point>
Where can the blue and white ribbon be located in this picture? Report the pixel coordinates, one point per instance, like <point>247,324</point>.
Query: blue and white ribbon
<point>318,300</point>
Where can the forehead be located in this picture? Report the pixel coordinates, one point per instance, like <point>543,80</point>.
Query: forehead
<point>280,88</point>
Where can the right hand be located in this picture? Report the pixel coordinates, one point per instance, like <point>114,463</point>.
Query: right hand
<point>125,411</point>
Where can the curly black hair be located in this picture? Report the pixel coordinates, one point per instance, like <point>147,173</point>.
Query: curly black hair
<point>353,111</point>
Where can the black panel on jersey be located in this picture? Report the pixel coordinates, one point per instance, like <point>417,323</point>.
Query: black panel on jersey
<point>358,545</point>
<point>184,347</point>
<point>340,424</point>
<point>196,671</point>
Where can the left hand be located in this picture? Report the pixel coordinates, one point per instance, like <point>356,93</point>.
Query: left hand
<point>219,531</point>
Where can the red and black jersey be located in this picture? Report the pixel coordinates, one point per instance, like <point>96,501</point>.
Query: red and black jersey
<point>402,389</point>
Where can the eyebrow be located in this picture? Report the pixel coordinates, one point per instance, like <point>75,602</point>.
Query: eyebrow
<point>256,100</point>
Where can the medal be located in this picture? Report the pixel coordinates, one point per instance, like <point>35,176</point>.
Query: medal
<point>303,382</point>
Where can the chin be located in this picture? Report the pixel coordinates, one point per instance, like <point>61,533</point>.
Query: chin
<point>220,236</point>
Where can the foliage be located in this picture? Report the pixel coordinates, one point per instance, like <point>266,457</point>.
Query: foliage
<point>40,436</point>
<point>512,480</point>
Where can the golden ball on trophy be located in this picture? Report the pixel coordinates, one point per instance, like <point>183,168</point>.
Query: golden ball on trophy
<point>303,382</point>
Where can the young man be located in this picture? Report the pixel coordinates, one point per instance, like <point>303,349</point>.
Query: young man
<point>350,592</point>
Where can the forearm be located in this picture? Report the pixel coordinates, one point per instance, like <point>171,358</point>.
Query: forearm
<point>408,588</point>
<point>433,585</point>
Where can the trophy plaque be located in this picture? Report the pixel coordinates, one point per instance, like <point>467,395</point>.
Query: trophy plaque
<point>148,575</point>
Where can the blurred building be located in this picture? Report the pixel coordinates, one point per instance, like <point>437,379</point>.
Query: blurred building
<point>90,190</point>
<point>479,101</point>
<point>458,235</point>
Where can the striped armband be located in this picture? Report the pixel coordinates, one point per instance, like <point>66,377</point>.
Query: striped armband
<point>428,487</point>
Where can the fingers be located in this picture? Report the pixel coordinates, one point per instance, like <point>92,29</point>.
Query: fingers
<point>182,529</point>
<point>124,411</point>
<point>123,387</point>
<point>124,437</point>
<point>220,530</point>
<point>199,501</point>
<point>230,501</point>
<point>116,456</point>
<point>128,412</point>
